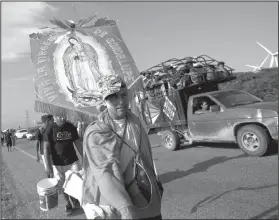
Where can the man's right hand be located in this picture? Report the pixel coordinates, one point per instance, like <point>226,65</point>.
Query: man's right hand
<point>38,159</point>
<point>49,173</point>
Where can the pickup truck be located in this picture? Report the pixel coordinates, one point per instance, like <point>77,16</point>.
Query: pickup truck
<point>232,116</point>
<point>193,109</point>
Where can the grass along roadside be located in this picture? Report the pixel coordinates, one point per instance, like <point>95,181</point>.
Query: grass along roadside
<point>8,197</point>
<point>12,205</point>
<point>263,84</point>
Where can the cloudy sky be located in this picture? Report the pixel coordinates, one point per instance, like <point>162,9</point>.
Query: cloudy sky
<point>153,32</point>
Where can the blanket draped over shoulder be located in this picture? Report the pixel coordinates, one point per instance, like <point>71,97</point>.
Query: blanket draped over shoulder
<point>106,172</point>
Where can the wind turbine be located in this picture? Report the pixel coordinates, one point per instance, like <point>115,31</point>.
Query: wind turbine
<point>274,56</point>
<point>257,68</point>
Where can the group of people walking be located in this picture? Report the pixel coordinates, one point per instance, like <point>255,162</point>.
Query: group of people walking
<point>9,139</point>
<point>117,165</point>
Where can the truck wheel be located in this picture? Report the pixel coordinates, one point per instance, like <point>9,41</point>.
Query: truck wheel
<point>253,140</point>
<point>170,140</point>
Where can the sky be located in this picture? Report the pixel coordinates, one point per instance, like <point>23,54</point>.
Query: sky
<point>153,32</point>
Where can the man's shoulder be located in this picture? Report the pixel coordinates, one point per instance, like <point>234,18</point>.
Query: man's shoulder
<point>135,119</point>
<point>97,127</point>
<point>99,135</point>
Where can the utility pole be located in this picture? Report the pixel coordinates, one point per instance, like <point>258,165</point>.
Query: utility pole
<point>27,118</point>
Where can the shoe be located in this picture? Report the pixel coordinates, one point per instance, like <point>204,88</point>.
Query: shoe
<point>69,210</point>
<point>76,203</point>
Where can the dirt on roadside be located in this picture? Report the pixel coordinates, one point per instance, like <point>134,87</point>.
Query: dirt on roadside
<point>11,207</point>
<point>8,199</point>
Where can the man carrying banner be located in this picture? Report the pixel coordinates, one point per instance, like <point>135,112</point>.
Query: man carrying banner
<point>118,166</point>
<point>59,138</point>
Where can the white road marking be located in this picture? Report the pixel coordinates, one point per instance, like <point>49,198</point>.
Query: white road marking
<point>30,155</point>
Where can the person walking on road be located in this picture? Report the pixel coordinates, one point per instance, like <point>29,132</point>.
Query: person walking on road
<point>119,173</point>
<point>47,120</point>
<point>13,139</point>
<point>2,138</point>
<point>59,140</point>
<point>8,138</point>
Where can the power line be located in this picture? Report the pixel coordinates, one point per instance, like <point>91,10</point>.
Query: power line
<point>27,118</point>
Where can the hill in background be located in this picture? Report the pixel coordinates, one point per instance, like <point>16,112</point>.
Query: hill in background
<point>263,84</point>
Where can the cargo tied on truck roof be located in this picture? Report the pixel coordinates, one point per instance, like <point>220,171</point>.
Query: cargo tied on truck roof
<point>186,72</point>
<point>181,101</point>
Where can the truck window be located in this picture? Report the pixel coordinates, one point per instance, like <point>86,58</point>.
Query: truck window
<point>235,98</point>
<point>204,104</point>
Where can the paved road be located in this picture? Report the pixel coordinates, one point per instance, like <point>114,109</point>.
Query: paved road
<point>202,182</point>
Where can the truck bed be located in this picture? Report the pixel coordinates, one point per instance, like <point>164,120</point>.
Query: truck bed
<point>179,98</point>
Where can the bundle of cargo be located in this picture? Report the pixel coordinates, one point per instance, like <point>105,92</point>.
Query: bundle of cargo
<point>181,73</point>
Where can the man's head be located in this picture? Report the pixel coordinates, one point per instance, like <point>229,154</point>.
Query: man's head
<point>204,105</point>
<point>60,119</point>
<point>115,95</point>
<point>46,119</point>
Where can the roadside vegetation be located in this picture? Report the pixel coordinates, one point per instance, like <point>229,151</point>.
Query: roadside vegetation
<point>263,84</point>
<point>8,197</point>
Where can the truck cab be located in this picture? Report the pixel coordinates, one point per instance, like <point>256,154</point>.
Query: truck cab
<point>233,116</point>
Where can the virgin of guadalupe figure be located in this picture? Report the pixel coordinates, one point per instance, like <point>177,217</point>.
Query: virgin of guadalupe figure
<point>81,68</point>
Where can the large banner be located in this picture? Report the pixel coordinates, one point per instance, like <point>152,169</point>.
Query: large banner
<point>69,60</point>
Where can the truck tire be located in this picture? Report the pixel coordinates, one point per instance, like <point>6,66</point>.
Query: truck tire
<point>253,140</point>
<point>171,140</point>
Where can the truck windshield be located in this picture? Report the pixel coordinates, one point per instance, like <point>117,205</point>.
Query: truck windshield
<point>235,98</point>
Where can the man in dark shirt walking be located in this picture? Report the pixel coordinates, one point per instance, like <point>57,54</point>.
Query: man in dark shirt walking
<point>59,140</point>
<point>47,120</point>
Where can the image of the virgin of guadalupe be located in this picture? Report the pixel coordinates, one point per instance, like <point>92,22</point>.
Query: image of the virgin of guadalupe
<point>82,70</point>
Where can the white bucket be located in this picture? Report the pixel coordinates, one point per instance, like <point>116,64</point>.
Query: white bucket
<point>48,193</point>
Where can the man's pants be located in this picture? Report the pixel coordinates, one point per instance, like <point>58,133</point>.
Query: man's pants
<point>59,172</point>
<point>44,161</point>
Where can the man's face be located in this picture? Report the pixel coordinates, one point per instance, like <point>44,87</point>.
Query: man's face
<point>60,120</point>
<point>48,121</point>
<point>117,104</point>
<point>51,120</point>
<point>204,106</point>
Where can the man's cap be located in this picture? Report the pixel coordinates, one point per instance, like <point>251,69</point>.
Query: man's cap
<point>110,84</point>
